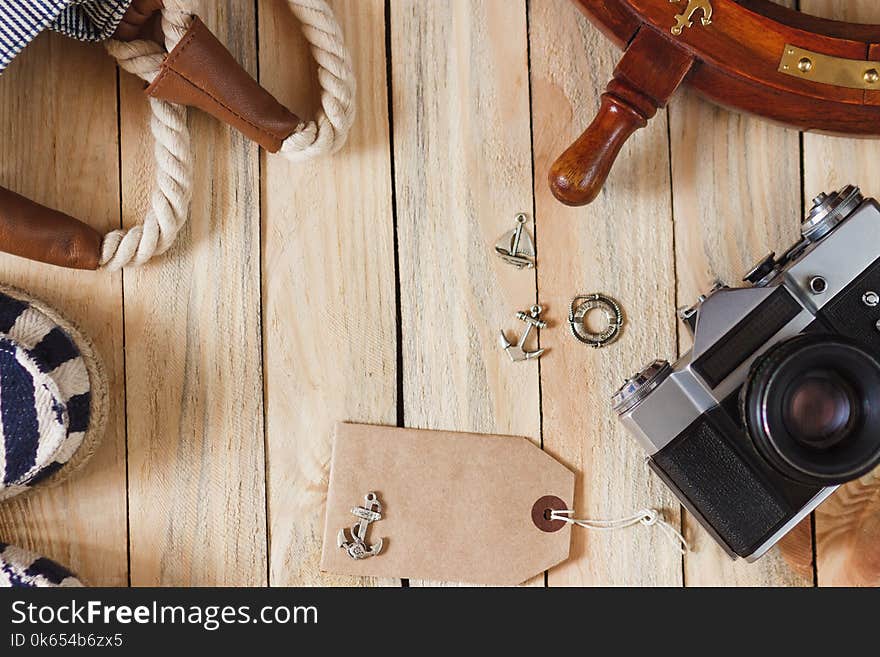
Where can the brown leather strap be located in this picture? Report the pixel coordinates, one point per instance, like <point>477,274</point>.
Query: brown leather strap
<point>139,22</point>
<point>200,72</point>
<point>33,231</point>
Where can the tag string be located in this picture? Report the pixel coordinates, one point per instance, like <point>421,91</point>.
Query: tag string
<point>646,517</point>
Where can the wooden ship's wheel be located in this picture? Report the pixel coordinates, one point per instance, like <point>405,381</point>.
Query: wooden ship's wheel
<point>750,55</point>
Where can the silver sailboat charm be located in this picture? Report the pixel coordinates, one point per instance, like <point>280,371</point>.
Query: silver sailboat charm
<point>516,246</point>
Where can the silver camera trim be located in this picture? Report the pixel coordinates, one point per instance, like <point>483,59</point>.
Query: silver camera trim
<point>858,237</point>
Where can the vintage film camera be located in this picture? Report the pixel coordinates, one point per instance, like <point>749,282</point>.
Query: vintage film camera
<point>778,402</point>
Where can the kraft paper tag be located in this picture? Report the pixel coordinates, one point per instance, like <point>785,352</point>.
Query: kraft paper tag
<point>454,507</point>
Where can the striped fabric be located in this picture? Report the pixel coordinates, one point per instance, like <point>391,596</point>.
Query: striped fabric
<point>87,20</point>
<point>45,396</point>
<point>22,569</point>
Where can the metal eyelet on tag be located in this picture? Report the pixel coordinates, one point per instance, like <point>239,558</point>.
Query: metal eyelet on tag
<point>357,547</point>
<point>543,510</point>
<point>583,304</point>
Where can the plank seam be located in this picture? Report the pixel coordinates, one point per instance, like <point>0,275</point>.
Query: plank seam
<point>119,173</point>
<point>682,521</point>
<point>398,311</point>
<point>528,8</point>
<point>261,268</point>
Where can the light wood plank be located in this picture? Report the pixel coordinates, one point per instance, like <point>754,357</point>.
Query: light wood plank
<point>736,191</point>
<point>463,170</point>
<point>328,284</point>
<point>59,136</point>
<point>845,554</point>
<point>193,347</point>
<point>620,245</point>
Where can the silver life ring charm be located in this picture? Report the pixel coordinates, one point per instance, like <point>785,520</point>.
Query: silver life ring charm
<point>583,304</point>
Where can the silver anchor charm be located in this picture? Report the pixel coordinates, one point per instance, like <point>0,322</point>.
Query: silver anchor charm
<point>357,547</point>
<point>516,246</point>
<point>532,320</point>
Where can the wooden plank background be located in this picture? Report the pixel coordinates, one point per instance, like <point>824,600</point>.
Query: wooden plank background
<point>364,287</point>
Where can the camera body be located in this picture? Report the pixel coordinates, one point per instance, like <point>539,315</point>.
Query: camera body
<point>778,402</point>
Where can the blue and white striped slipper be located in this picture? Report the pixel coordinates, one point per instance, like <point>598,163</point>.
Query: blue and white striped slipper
<point>53,395</point>
<point>86,20</point>
<point>22,569</point>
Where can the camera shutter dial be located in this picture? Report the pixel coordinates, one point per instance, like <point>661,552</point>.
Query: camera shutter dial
<point>829,210</point>
<point>639,386</point>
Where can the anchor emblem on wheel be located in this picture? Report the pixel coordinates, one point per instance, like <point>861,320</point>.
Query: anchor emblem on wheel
<point>516,351</point>
<point>685,19</point>
<point>357,547</point>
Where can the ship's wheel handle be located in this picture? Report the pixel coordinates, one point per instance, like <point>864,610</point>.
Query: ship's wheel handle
<point>648,74</point>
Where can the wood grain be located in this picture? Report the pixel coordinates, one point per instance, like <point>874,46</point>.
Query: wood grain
<point>330,338</point>
<point>59,136</point>
<point>847,552</point>
<point>463,170</point>
<point>621,245</point>
<point>193,357</point>
<point>848,535</point>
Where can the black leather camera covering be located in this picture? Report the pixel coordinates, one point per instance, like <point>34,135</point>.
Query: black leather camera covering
<point>726,485</point>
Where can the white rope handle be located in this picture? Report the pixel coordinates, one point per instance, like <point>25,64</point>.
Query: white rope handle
<point>170,200</point>
<point>646,517</point>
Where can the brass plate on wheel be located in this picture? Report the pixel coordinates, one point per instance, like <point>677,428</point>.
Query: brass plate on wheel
<point>826,69</point>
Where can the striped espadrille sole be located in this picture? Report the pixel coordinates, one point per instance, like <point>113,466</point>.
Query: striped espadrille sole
<point>53,395</point>
<point>22,569</point>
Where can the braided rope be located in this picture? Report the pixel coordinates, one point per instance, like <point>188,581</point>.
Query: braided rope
<point>170,200</point>
<point>328,132</point>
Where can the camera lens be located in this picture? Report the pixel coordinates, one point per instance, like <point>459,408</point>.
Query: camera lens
<point>812,409</point>
<point>820,410</point>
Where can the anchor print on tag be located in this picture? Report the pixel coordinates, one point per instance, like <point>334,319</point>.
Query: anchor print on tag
<point>684,19</point>
<point>357,547</point>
